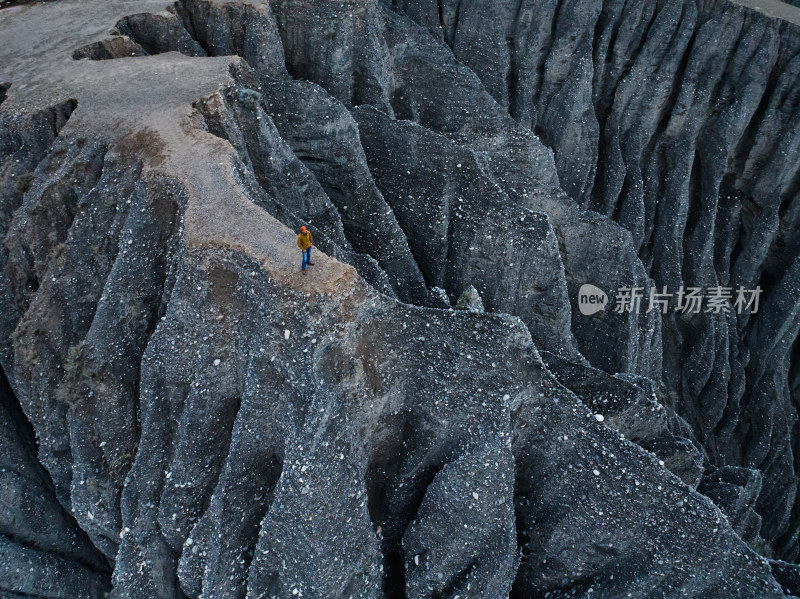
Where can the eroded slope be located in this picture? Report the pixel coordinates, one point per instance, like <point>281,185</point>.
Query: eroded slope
<point>217,425</point>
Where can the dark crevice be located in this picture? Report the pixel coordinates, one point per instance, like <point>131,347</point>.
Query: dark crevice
<point>23,428</point>
<point>157,34</point>
<point>51,220</point>
<point>749,213</point>
<point>512,78</point>
<point>726,226</point>
<point>603,102</point>
<point>541,133</point>
<point>188,19</point>
<point>697,209</point>
<point>293,73</point>
<point>22,425</point>
<point>743,152</point>
<point>440,11</point>
<point>394,525</point>
<point>3,91</point>
<point>654,144</point>
<point>624,190</point>
<point>451,249</point>
<point>598,78</point>
<point>449,29</point>
<point>394,494</point>
<point>219,451</point>
<point>144,34</point>
<point>62,112</point>
<point>514,51</point>
<point>547,47</point>
<point>16,594</point>
<point>271,474</point>
<point>789,195</point>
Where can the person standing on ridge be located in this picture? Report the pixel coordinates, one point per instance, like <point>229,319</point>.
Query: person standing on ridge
<point>305,242</point>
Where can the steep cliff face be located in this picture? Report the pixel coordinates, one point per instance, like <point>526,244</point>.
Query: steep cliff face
<point>677,120</point>
<point>211,423</point>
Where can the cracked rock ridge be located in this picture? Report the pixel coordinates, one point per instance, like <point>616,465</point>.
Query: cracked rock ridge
<point>426,413</point>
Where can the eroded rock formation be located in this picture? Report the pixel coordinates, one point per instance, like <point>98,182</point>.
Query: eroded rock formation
<point>185,415</point>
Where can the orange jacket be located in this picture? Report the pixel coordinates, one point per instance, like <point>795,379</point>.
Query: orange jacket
<point>304,240</point>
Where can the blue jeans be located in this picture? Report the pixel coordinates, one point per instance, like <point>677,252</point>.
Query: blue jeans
<point>306,257</point>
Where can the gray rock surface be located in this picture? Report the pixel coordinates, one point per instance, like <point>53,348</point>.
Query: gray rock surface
<point>186,416</point>
<point>676,120</point>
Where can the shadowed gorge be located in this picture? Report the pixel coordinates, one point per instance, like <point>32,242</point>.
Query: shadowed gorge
<point>426,412</point>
